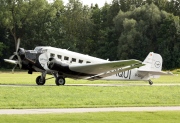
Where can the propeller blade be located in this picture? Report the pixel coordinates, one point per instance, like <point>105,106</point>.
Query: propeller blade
<point>14,68</point>
<point>18,44</point>
<point>19,62</point>
<point>11,57</point>
<point>11,61</point>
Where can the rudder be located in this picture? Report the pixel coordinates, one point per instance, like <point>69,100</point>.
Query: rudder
<point>153,62</point>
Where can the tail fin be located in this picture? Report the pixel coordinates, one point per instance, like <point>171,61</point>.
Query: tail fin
<point>153,62</point>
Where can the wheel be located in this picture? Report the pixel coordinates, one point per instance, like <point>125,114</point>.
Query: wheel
<point>60,81</point>
<point>150,82</point>
<point>40,81</point>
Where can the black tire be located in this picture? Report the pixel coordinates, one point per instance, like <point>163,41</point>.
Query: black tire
<point>150,82</point>
<point>40,81</point>
<point>60,80</point>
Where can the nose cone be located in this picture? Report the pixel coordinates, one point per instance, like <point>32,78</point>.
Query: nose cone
<point>21,51</point>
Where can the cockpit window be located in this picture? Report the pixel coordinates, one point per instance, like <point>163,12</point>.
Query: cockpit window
<point>38,48</point>
<point>44,50</point>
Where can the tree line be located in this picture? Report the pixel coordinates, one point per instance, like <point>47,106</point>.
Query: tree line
<point>123,29</point>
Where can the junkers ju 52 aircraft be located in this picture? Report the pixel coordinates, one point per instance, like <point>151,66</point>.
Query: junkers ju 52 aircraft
<point>62,63</point>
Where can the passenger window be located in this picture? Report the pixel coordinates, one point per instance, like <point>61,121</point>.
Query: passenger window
<point>88,62</point>
<point>73,60</point>
<point>80,61</point>
<point>52,55</point>
<point>66,58</point>
<point>59,56</point>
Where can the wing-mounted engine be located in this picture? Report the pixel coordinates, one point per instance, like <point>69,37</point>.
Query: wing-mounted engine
<point>58,65</point>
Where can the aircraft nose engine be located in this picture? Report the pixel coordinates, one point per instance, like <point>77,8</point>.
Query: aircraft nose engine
<point>57,65</point>
<point>21,52</point>
<point>18,55</point>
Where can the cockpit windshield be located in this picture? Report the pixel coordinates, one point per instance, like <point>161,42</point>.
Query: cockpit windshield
<point>40,49</point>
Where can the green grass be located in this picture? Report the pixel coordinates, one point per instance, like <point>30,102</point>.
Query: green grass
<point>84,96</point>
<point>105,117</point>
<point>24,78</point>
<point>88,96</point>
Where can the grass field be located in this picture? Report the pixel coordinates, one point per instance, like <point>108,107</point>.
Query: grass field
<point>87,96</point>
<point>106,117</point>
<point>84,96</point>
<point>24,78</point>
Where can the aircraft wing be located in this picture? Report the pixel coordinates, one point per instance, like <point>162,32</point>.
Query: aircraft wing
<point>112,72</point>
<point>98,68</point>
<point>91,70</point>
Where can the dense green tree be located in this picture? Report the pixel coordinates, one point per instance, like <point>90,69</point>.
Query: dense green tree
<point>2,38</point>
<point>16,13</point>
<point>95,35</point>
<point>169,41</point>
<point>45,27</point>
<point>173,6</point>
<point>141,30</point>
<point>2,46</point>
<point>77,26</point>
<point>121,30</point>
<point>104,36</point>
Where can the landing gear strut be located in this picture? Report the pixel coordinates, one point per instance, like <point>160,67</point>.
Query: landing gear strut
<point>150,82</point>
<point>40,80</point>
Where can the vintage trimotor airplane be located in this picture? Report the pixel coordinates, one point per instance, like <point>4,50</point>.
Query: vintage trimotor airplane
<point>62,63</point>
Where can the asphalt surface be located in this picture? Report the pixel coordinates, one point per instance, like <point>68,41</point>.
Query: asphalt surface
<point>86,110</point>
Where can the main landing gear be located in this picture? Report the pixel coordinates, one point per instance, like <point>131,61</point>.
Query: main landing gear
<point>60,80</point>
<point>150,82</point>
<point>40,80</point>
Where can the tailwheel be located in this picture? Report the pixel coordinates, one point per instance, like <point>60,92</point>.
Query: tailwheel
<point>150,82</point>
<point>40,81</point>
<point>60,80</point>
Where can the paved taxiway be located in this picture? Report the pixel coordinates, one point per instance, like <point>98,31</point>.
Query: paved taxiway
<point>85,110</point>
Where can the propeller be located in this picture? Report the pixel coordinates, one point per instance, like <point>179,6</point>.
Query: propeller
<point>17,55</point>
<point>17,47</point>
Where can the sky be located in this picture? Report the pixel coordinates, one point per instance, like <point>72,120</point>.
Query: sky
<point>88,2</point>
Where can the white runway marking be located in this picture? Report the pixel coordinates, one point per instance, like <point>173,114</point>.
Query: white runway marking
<point>86,110</point>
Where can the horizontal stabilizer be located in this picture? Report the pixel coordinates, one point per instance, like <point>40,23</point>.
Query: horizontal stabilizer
<point>156,72</point>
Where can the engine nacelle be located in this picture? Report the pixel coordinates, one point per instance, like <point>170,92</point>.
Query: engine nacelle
<point>54,64</point>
